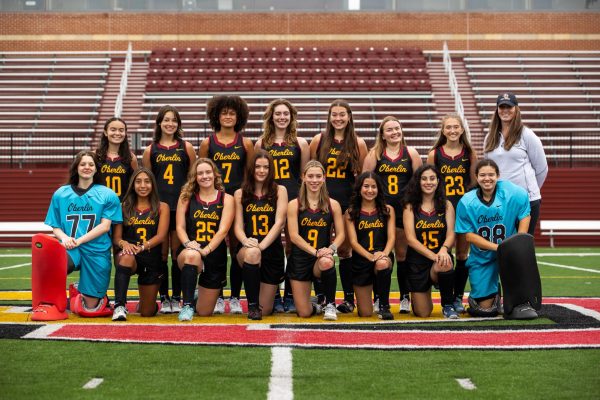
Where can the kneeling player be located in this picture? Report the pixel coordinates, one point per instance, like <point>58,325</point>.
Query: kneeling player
<point>81,213</point>
<point>371,230</point>
<point>488,215</point>
<point>429,226</point>
<point>145,227</point>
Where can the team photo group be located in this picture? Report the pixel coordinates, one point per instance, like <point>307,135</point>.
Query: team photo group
<point>285,213</point>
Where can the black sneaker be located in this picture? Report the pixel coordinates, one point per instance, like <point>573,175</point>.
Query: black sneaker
<point>522,311</point>
<point>385,313</point>
<point>254,312</point>
<point>346,307</point>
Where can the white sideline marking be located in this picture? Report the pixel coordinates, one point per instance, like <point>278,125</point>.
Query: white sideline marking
<point>18,310</point>
<point>93,383</point>
<point>569,267</point>
<point>567,254</point>
<point>466,384</point>
<point>14,255</point>
<point>281,382</point>
<point>15,266</point>
<point>43,332</point>
<point>582,310</point>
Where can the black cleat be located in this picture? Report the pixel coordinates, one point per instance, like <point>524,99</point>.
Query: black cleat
<point>522,311</point>
<point>385,313</point>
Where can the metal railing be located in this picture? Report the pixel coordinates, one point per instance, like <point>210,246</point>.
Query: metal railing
<point>123,85</point>
<point>454,90</point>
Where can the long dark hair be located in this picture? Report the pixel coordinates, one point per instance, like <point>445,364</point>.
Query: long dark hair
<point>74,175</point>
<point>349,152</point>
<point>414,195</point>
<point>492,139</point>
<point>130,199</point>
<point>220,103</point>
<point>250,181</point>
<point>159,118</point>
<point>124,151</point>
<point>356,200</point>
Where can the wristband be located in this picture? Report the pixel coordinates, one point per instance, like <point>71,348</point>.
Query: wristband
<point>209,248</point>
<point>121,243</point>
<point>186,243</point>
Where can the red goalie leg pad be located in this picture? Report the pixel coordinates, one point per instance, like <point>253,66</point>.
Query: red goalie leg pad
<point>103,309</point>
<point>48,278</point>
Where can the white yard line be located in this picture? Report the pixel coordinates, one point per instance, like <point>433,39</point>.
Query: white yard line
<point>93,383</point>
<point>466,384</point>
<point>582,310</point>
<point>15,266</point>
<point>595,271</point>
<point>281,382</point>
<point>568,254</point>
<point>14,255</point>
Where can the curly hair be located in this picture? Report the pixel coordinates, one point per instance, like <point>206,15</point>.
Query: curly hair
<point>159,119</point>
<point>464,138</point>
<point>349,152</point>
<point>249,183</point>
<point>414,194</point>
<point>124,151</point>
<point>73,169</point>
<point>268,135</point>
<point>217,104</point>
<point>356,200</point>
<point>191,187</point>
<point>131,198</point>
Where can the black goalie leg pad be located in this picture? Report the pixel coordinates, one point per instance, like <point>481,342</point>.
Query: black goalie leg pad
<point>519,272</point>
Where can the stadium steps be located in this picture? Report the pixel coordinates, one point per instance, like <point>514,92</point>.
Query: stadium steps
<point>445,102</point>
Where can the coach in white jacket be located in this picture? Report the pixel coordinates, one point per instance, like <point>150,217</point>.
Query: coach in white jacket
<point>517,151</point>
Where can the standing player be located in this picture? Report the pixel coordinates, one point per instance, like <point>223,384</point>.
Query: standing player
<point>81,214</point>
<point>169,158</point>
<point>311,218</point>
<point>232,154</point>
<point>488,215</point>
<point>204,216</point>
<point>371,230</point>
<point>145,227</point>
<point>518,152</point>
<point>260,210</point>
<point>342,153</point>
<point>454,157</point>
<point>117,162</point>
<point>290,154</point>
<point>429,226</point>
<point>394,162</point>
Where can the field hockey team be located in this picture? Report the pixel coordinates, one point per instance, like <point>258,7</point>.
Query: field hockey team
<point>232,202</point>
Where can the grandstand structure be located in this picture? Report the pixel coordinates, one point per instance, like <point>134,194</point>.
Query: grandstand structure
<point>54,104</point>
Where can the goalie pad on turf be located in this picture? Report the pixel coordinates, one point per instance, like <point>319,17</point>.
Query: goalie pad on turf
<point>48,278</point>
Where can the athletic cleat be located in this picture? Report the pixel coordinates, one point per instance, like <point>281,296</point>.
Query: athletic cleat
<point>405,306</point>
<point>385,313</point>
<point>449,312</point>
<point>330,313</point>
<point>278,307</point>
<point>234,306</point>
<point>522,311</point>
<point>288,305</point>
<point>317,309</point>
<point>254,312</point>
<point>186,313</point>
<point>346,307</point>
<point>220,306</point>
<point>376,307</point>
<point>175,307</point>
<point>120,314</point>
<point>165,307</point>
<point>458,305</point>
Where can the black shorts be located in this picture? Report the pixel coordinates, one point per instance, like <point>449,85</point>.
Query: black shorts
<point>149,268</point>
<point>363,270</point>
<point>300,266</point>
<point>272,263</point>
<point>418,277</point>
<point>214,272</point>
<point>172,222</point>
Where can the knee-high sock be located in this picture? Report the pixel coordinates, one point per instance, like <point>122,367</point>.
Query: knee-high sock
<point>176,280</point>
<point>122,276</point>
<point>383,279</point>
<point>329,279</point>
<point>251,275</point>
<point>461,274</point>
<point>189,278</point>
<point>163,290</point>
<point>446,283</point>
<point>346,278</point>
<point>287,289</point>
<point>318,284</point>
<point>402,279</point>
<point>235,274</point>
